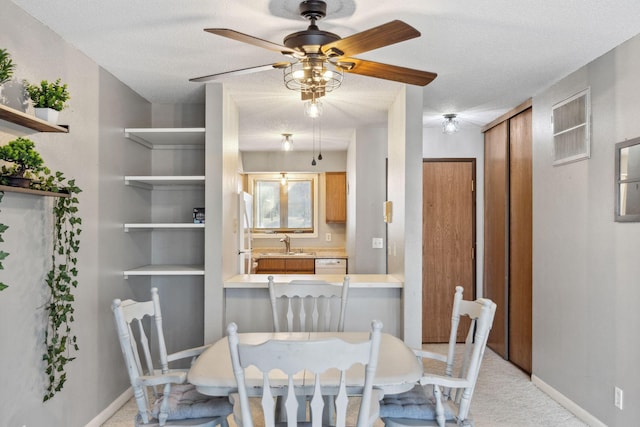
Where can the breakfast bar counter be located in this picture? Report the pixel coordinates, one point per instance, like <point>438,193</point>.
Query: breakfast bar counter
<point>371,296</point>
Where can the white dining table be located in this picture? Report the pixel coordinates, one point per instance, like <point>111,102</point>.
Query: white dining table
<point>398,368</point>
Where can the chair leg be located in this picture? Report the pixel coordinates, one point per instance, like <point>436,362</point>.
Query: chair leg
<point>439,408</point>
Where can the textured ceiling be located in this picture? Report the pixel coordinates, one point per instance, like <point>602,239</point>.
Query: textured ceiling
<point>489,55</point>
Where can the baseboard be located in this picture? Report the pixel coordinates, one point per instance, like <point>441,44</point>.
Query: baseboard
<point>110,410</point>
<point>569,404</point>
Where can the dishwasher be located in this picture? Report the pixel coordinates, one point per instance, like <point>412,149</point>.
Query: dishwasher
<point>331,266</point>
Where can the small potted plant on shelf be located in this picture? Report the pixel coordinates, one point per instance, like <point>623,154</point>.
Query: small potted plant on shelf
<point>26,162</point>
<point>48,98</point>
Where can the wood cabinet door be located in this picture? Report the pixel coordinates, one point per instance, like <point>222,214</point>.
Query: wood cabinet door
<point>448,240</point>
<point>520,239</point>
<point>300,266</point>
<point>335,197</point>
<point>496,144</point>
<point>271,265</point>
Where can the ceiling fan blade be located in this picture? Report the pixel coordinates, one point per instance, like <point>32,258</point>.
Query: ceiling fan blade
<point>386,71</point>
<point>240,72</point>
<point>373,38</point>
<point>236,35</point>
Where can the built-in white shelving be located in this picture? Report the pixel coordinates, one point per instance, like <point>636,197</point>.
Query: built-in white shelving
<point>163,226</point>
<point>166,270</point>
<point>164,182</point>
<point>167,138</point>
<point>177,139</point>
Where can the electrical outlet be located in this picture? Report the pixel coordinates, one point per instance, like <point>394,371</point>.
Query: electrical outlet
<point>377,243</point>
<point>618,398</point>
<point>327,237</point>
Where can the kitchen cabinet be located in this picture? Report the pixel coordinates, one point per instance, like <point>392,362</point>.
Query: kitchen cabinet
<point>285,266</point>
<point>177,247</point>
<point>335,197</point>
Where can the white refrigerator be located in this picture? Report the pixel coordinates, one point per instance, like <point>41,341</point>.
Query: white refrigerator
<point>245,222</point>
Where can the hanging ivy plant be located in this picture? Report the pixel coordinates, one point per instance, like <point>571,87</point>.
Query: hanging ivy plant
<point>3,254</point>
<point>61,279</point>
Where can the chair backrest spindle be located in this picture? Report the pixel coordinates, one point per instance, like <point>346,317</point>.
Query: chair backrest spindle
<point>308,305</point>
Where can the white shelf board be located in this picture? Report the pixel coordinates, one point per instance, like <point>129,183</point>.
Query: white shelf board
<point>166,270</point>
<point>165,226</point>
<point>165,181</point>
<point>167,138</point>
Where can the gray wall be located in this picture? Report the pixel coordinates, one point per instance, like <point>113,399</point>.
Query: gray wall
<point>366,180</point>
<point>585,267</point>
<point>92,153</point>
<point>97,155</point>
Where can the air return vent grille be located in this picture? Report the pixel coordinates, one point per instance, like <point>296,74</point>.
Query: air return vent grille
<point>571,130</point>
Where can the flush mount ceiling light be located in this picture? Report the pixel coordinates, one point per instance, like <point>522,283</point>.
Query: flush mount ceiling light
<point>449,124</point>
<point>287,142</point>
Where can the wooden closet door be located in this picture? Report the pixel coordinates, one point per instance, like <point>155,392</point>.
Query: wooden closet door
<point>448,239</point>
<point>495,230</point>
<point>520,240</point>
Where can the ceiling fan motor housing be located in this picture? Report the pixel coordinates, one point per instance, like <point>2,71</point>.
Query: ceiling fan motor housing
<point>310,40</point>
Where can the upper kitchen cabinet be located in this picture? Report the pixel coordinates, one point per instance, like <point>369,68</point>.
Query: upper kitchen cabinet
<point>336,197</point>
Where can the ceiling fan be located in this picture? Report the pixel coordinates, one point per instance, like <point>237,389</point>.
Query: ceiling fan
<point>319,58</point>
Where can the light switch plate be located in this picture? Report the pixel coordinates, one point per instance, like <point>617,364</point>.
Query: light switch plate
<point>377,243</point>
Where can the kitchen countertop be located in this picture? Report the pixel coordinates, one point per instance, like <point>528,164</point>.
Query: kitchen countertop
<point>306,253</point>
<point>255,281</point>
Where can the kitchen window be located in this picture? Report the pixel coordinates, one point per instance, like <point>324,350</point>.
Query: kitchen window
<point>284,203</point>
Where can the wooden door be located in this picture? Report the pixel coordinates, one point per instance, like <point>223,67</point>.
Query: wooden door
<point>520,239</point>
<point>496,142</point>
<point>448,242</point>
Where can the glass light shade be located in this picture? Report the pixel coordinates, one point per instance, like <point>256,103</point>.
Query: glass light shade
<point>449,124</point>
<point>313,109</point>
<point>287,142</point>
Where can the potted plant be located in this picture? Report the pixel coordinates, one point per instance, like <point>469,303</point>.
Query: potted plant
<point>6,66</point>
<point>48,98</point>
<point>26,162</point>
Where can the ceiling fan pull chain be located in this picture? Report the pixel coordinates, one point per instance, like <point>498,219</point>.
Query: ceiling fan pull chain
<point>319,139</point>
<point>313,131</point>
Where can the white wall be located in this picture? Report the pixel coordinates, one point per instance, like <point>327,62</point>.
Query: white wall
<point>585,266</point>
<point>467,143</point>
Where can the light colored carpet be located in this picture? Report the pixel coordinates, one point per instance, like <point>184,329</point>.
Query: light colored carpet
<point>504,397</point>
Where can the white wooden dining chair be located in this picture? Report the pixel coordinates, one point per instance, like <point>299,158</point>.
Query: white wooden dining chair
<point>163,395</point>
<point>438,398</point>
<point>285,363</point>
<point>308,305</point>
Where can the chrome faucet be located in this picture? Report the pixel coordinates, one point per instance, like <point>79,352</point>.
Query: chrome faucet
<point>287,243</point>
